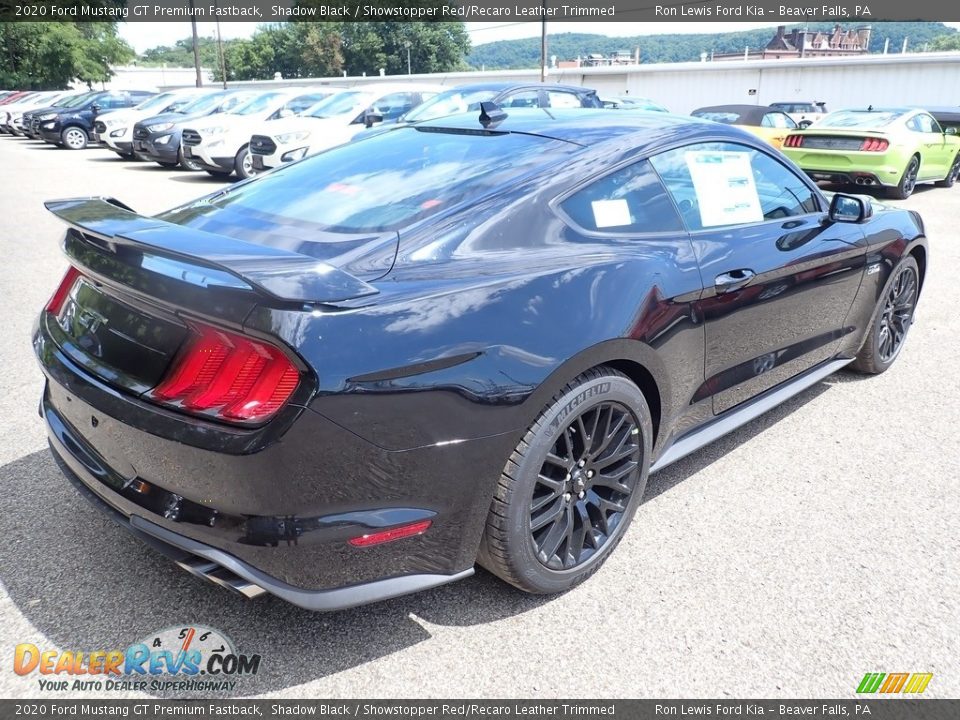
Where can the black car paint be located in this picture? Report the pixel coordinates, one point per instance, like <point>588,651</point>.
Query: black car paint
<point>413,398</point>
<point>85,114</point>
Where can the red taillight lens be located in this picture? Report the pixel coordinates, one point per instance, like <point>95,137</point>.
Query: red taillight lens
<point>55,305</point>
<point>794,141</point>
<point>231,376</point>
<point>417,528</point>
<point>874,145</point>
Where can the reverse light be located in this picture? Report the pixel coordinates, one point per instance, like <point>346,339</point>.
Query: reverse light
<point>874,145</point>
<point>383,536</point>
<point>55,304</point>
<point>228,376</point>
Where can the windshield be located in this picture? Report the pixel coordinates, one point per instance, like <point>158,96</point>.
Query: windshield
<point>450,103</point>
<point>72,100</point>
<point>157,102</point>
<point>391,180</point>
<point>860,118</point>
<point>203,103</point>
<point>259,104</point>
<point>338,104</point>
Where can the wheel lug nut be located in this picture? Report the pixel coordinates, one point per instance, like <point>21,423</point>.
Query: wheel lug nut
<point>581,495</point>
<point>581,463</point>
<point>568,477</point>
<point>566,497</point>
<point>590,473</point>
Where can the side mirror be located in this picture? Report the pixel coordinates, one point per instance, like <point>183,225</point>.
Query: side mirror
<point>96,109</point>
<point>371,117</point>
<point>850,208</point>
<point>952,130</point>
<point>285,113</point>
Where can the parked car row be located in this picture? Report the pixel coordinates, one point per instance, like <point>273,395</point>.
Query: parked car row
<point>244,131</point>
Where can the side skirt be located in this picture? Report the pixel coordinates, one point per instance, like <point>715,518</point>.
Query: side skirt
<point>741,415</point>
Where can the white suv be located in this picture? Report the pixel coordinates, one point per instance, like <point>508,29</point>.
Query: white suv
<point>114,129</point>
<point>334,121</point>
<point>221,145</point>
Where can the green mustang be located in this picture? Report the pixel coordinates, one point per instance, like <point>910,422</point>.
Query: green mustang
<point>894,148</point>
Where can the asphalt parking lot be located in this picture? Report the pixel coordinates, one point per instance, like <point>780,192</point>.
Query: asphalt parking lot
<point>815,544</point>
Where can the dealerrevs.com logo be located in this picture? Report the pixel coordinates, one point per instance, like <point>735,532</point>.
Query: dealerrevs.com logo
<point>181,659</point>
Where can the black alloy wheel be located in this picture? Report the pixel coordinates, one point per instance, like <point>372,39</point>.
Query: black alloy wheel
<point>572,485</point>
<point>584,485</point>
<point>951,177</point>
<point>908,181</point>
<point>897,314</point>
<point>892,319</point>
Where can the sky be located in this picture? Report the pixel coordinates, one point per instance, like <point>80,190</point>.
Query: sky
<point>145,35</point>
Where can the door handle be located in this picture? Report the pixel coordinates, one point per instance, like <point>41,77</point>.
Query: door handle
<point>733,280</point>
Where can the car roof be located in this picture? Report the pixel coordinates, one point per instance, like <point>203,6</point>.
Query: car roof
<point>582,126</point>
<point>750,114</point>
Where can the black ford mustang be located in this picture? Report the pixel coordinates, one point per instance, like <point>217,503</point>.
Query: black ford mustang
<point>469,340</point>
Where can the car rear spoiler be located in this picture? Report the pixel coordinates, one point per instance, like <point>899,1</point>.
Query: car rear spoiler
<point>280,274</point>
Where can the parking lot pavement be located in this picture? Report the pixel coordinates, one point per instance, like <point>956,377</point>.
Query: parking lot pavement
<point>816,544</point>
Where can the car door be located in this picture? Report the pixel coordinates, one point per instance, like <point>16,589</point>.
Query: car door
<point>934,159</point>
<point>778,277</point>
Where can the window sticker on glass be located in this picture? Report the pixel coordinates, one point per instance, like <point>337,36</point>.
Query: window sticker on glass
<point>726,192</point>
<point>611,213</point>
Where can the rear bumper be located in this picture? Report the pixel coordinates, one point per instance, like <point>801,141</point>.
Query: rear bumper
<point>276,512</point>
<point>847,166</point>
<point>223,568</point>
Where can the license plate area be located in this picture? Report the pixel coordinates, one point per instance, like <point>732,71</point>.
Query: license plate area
<point>122,344</point>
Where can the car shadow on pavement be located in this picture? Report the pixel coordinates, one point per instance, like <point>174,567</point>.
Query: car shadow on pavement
<point>86,584</point>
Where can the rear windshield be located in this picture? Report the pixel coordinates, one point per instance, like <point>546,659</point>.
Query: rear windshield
<point>391,180</point>
<point>860,118</point>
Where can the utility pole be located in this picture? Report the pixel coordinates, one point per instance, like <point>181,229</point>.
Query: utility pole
<point>223,62</point>
<point>196,47</point>
<point>543,41</point>
<point>406,44</point>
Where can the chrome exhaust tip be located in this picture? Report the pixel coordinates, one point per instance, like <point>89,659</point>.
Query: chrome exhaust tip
<point>219,575</point>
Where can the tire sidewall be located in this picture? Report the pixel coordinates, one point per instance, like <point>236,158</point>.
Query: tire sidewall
<point>554,420</point>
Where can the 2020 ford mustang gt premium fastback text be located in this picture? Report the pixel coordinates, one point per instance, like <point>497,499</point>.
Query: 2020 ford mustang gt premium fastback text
<point>467,340</point>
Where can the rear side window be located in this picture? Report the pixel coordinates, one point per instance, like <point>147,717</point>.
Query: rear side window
<point>559,99</point>
<point>392,180</point>
<point>629,200</point>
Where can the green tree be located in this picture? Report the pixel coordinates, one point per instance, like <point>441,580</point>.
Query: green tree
<point>52,55</point>
<point>946,42</point>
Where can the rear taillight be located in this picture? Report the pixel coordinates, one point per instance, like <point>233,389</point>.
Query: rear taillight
<point>793,141</point>
<point>55,305</point>
<point>874,145</point>
<point>228,376</point>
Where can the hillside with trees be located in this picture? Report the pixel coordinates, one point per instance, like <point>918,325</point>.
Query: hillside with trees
<point>525,53</point>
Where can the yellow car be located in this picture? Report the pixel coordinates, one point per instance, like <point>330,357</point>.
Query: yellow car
<point>767,123</point>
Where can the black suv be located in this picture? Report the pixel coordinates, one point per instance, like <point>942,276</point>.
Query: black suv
<point>71,127</point>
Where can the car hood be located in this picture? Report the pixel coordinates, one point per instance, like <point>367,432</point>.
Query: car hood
<point>231,122</point>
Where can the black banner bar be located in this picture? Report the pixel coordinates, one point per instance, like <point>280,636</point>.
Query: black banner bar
<point>554,11</point>
<point>872,709</point>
